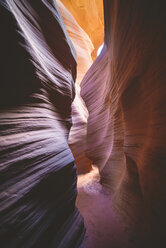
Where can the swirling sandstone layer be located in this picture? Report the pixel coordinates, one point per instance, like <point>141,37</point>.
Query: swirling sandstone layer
<point>125,93</point>
<point>84,48</point>
<point>89,15</point>
<point>37,171</point>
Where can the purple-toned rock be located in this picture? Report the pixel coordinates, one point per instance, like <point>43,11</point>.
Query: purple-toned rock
<point>37,170</point>
<point>125,93</point>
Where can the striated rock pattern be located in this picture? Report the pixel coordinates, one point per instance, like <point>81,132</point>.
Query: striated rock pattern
<point>37,171</point>
<point>89,15</point>
<point>125,93</point>
<point>78,134</point>
<point>84,48</point>
<point>81,41</point>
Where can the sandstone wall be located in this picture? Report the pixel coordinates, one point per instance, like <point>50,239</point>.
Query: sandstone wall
<point>89,15</point>
<point>125,93</point>
<point>84,48</point>
<point>37,171</point>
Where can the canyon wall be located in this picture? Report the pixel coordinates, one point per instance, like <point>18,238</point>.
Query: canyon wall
<point>124,91</point>
<point>84,48</point>
<point>125,94</point>
<point>37,170</point>
<point>89,15</point>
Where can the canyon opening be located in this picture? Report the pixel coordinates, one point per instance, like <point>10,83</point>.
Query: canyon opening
<point>82,124</point>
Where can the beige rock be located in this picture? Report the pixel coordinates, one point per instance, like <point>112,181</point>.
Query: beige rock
<point>89,15</point>
<point>84,48</point>
<point>81,41</point>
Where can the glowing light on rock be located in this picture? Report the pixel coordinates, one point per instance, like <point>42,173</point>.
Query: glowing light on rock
<point>100,49</point>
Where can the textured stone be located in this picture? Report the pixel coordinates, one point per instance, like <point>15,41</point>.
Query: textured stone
<point>84,48</point>
<point>125,93</point>
<point>78,133</point>
<point>81,41</point>
<point>89,15</point>
<point>37,171</point>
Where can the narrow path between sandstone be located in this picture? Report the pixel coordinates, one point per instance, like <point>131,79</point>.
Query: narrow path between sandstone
<point>104,230</point>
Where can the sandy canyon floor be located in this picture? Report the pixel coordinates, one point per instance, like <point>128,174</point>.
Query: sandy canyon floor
<point>104,230</point>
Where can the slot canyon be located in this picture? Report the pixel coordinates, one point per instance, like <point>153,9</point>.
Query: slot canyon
<point>83,124</point>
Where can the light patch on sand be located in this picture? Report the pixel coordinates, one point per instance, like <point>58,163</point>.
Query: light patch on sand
<point>104,230</point>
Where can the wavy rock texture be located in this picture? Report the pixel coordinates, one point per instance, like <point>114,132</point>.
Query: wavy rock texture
<point>37,171</point>
<point>124,92</point>
<point>89,15</point>
<point>81,41</point>
<point>84,48</point>
<point>78,134</point>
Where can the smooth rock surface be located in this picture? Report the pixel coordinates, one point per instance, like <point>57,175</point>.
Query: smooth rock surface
<point>37,171</point>
<point>89,15</point>
<point>125,93</point>
<point>84,48</point>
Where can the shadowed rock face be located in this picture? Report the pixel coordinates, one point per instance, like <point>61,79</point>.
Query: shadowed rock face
<point>124,91</point>
<point>37,172</point>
